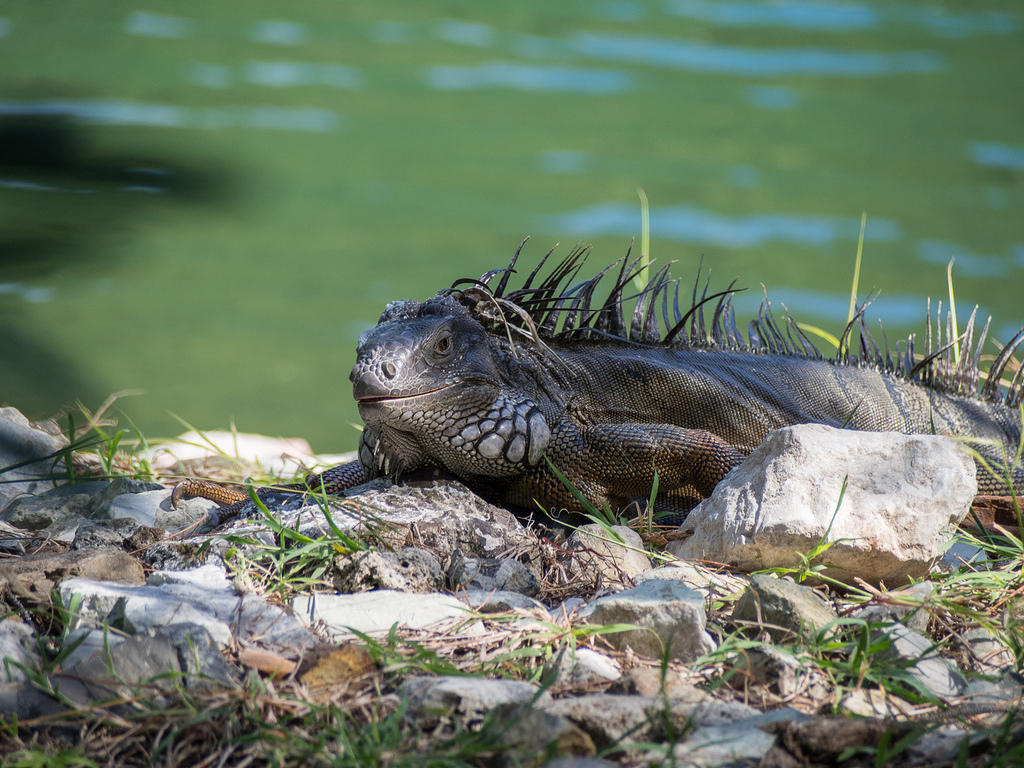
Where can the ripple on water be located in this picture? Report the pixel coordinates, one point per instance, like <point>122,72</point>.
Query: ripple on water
<point>964,262</point>
<point>279,32</point>
<point>894,310</point>
<point>997,155</point>
<point>695,56</point>
<point>834,17</point>
<point>844,17</point>
<point>115,112</point>
<point>564,161</point>
<point>35,294</point>
<point>692,224</point>
<point>527,77</point>
<point>283,74</point>
<point>147,24</point>
<point>469,33</point>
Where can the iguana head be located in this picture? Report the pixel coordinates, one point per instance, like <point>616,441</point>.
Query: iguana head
<point>433,385</point>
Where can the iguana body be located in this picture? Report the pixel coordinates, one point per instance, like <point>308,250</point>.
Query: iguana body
<point>492,384</point>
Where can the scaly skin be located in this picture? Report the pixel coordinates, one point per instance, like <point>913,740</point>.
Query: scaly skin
<point>444,383</point>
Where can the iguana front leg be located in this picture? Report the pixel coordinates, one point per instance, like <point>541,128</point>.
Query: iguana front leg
<point>616,463</point>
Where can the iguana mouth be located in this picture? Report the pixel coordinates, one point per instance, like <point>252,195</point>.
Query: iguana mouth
<point>373,400</point>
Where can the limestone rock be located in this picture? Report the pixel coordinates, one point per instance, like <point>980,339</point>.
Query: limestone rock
<point>464,700</point>
<point>902,605</point>
<point>782,603</point>
<point>937,675</point>
<point>499,601</point>
<point>988,654</point>
<point>711,583</point>
<point>15,648</point>
<point>602,559</point>
<point>22,441</point>
<point>585,665</point>
<point>410,569</point>
<point>491,574</point>
<point>34,576</point>
<point>378,610</point>
<point>202,597</point>
<point>55,513</point>
<point>904,495</point>
<point>672,610</point>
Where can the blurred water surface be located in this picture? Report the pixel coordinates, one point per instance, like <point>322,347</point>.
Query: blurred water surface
<point>209,202</point>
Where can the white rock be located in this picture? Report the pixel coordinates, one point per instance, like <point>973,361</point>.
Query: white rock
<point>717,745</point>
<point>710,583</point>
<point>20,441</point>
<point>466,699</point>
<point>197,599</point>
<point>586,666</point>
<point>672,610</point>
<point>904,495</point>
<point>378,610</point>
<point>936,674</point>
<point>140,507</point>
<point>599,553</point>
<point>210,576</point>
<point>15,642</point>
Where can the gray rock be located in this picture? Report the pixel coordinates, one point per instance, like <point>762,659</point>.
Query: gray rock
<point>776,603</point>
<point>56,513</point>
<point>100,507</point>
<point>203,598</point>
<point>499,601</point>
<point>410,569</point>
<point>531,732</point>
<point>16,641</point>
<point>610,719</point>
<point>442,516</point>
<point>153,508</point>
<point>740,743</point>
<point>904,495</point>
<point>11,539</point>
<point>566,608</point>
<point>162,659</point>
<point>989,655</point>
<point>669,613</point>
<point>33,577</point>
<point>961,554</point>
<point>914,616</point>
<point>713,584</point>
<point>20,442</point>
<point>585,665</point>
<point>491,573</point>
<point>110,533</point>
<point>180,555</point>
<point>934,674</point>
<point>601,559</point>
<point>378,610</point>
<point>464,700</point>
<point>445,516</point>
<point>785,674</point>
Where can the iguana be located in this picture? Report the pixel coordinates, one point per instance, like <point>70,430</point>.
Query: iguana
<point>498,385</point>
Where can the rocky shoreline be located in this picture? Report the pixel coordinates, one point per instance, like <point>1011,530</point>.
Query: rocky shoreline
<point>864,631</point>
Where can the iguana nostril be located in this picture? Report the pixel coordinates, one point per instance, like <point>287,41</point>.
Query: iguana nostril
<point>390,371</point>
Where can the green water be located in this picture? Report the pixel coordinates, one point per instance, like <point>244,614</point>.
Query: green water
<point>209,202</point>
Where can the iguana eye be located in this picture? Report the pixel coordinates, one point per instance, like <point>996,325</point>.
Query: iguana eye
<point>443,345</point>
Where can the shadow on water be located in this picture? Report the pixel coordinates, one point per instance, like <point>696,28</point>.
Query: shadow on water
<point>62,203</point>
